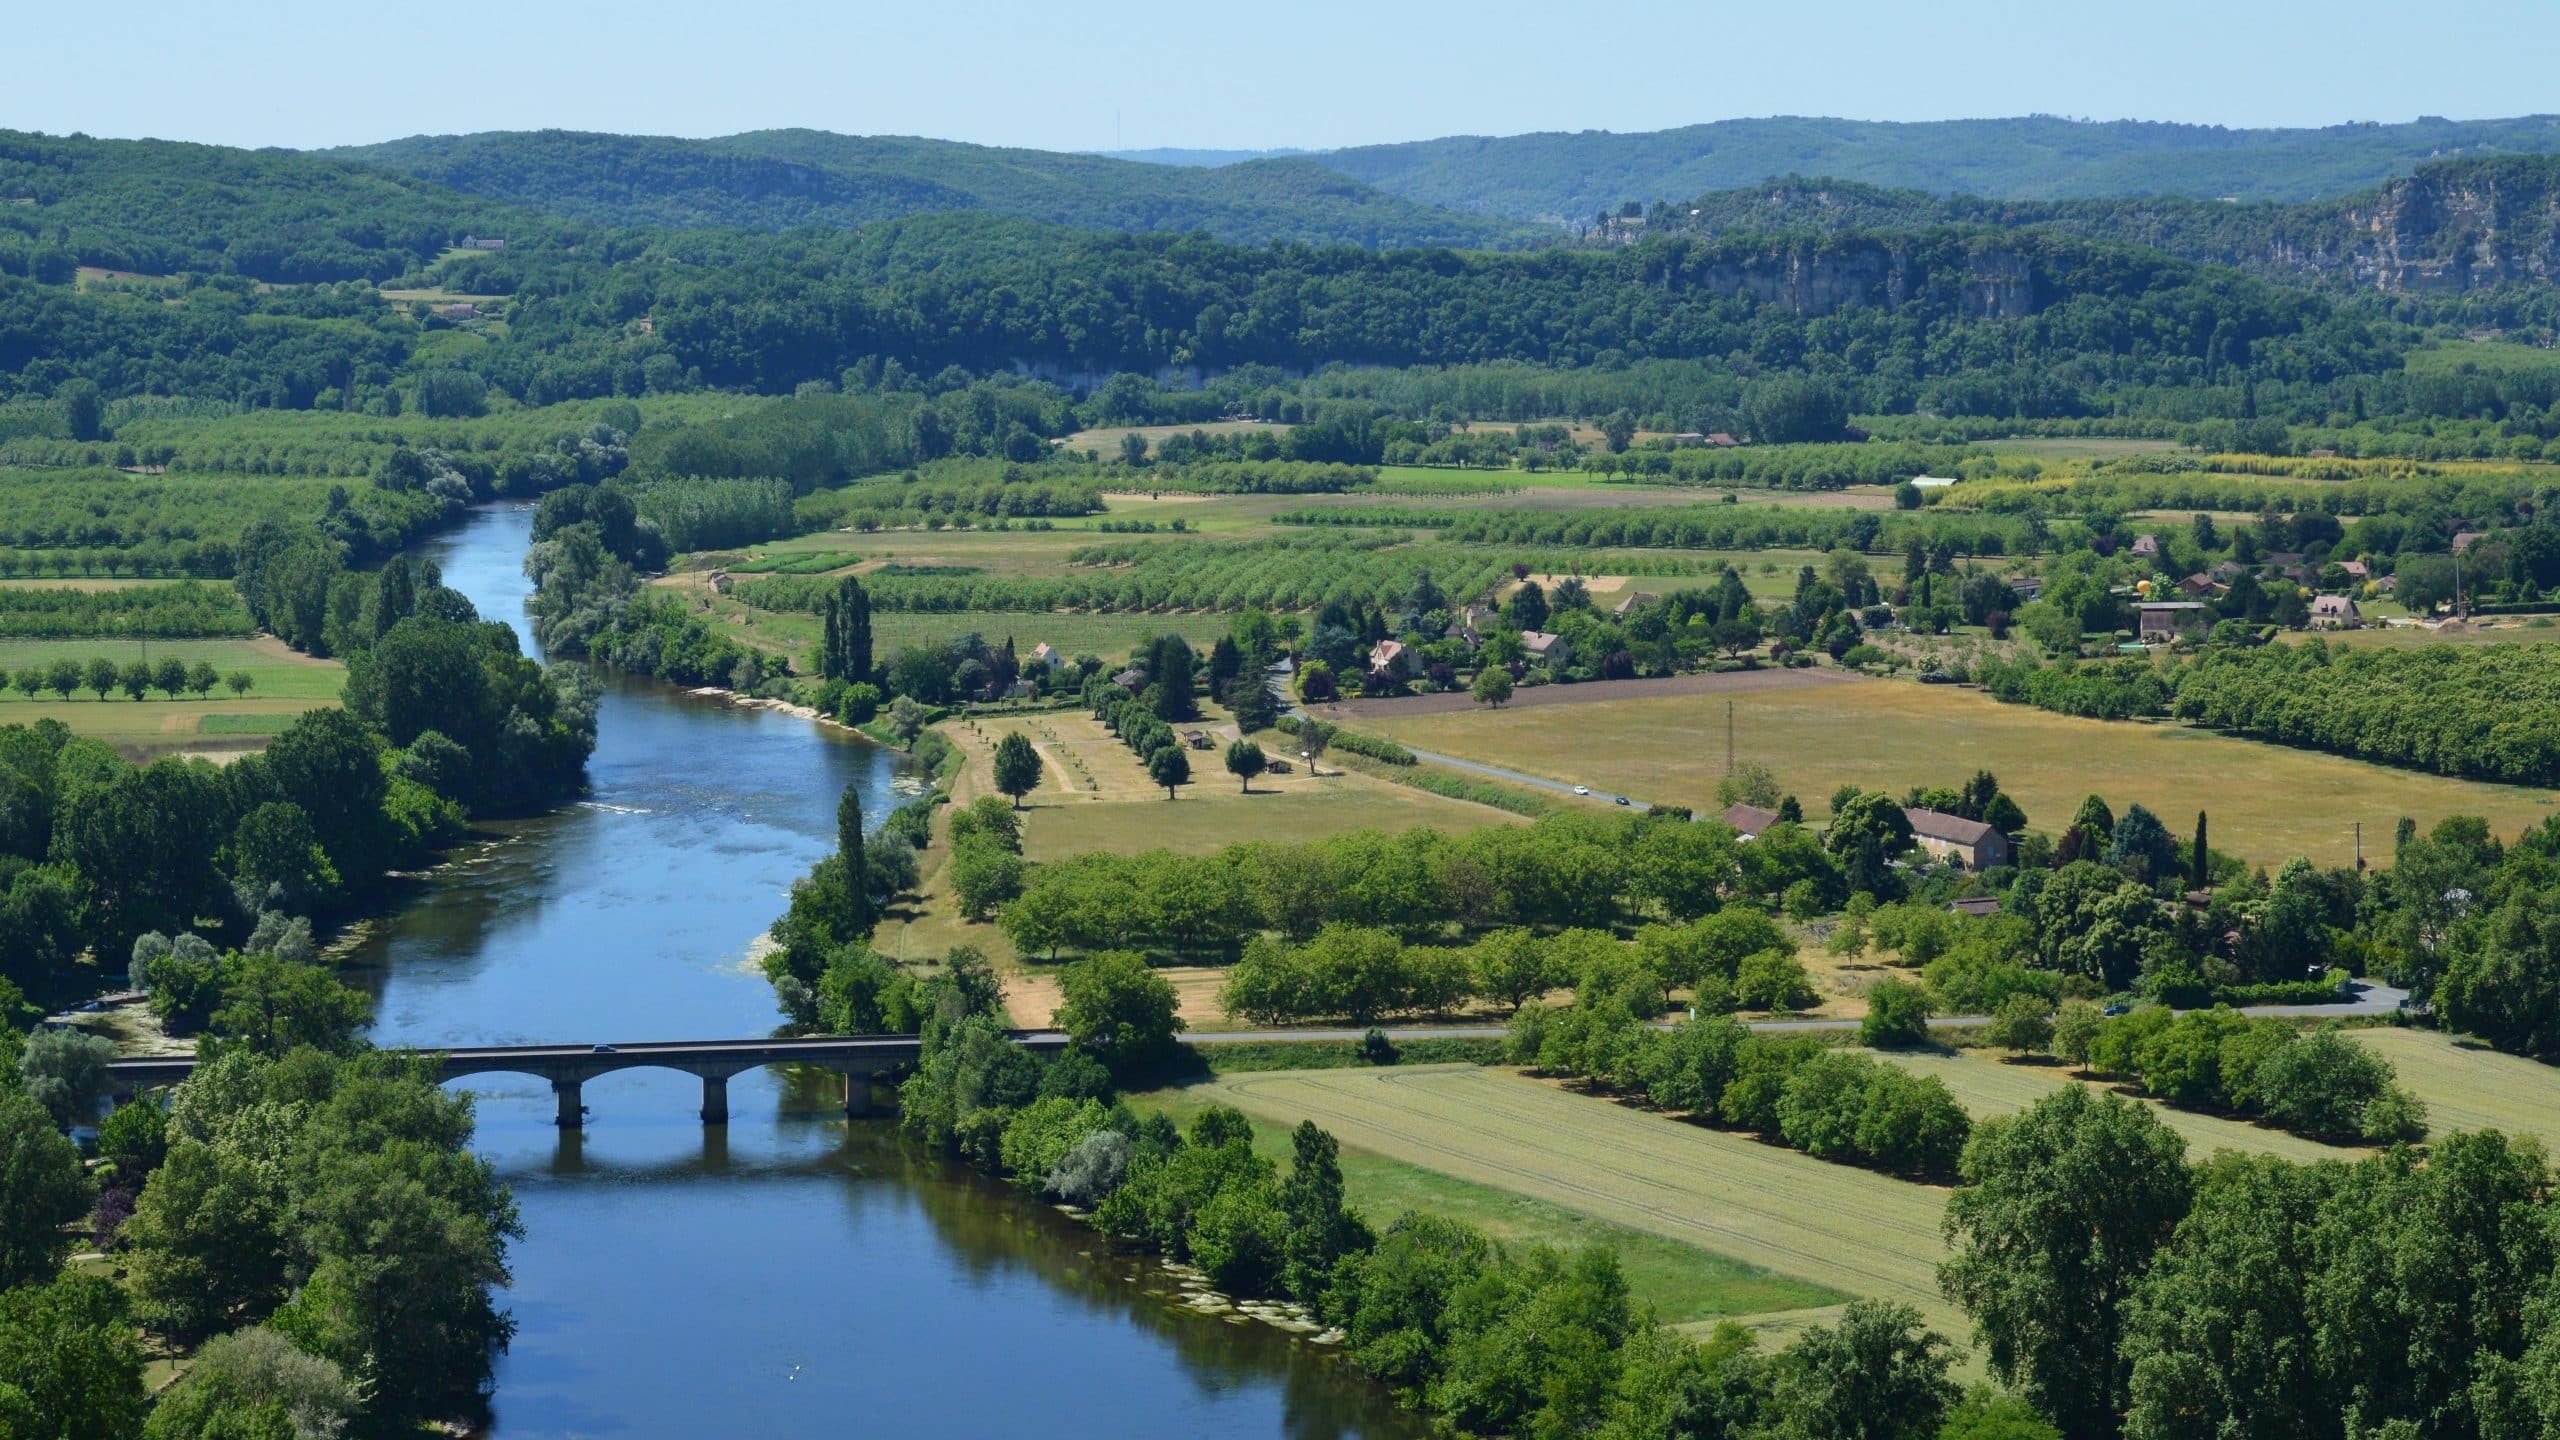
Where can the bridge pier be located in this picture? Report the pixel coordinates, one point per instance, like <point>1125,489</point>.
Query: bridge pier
<point>573,1109</point>
<point>715,1099</point>
<point>857,1093</point>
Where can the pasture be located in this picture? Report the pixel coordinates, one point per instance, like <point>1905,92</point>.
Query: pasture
<point>2468,1086</point>
<point>1832,1226</point>
<point>1988,1087</point>
<point>2268,803</point>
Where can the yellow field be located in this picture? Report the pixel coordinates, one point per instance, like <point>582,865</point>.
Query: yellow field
<point>1833,1225</point>
<point>2268,803</point>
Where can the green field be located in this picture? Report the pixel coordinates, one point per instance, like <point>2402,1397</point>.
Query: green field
<point>1986,1087</point>
<point>284,685</point>
<point>2268,803</point>
<point>1832,1226</point>
<point>2468,1086</point>
<point>1685,1284</point>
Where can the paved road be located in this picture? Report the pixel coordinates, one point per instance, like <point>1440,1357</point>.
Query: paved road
<point>1496,772</point>
<point>2371,999</point>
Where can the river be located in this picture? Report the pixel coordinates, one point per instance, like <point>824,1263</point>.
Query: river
<point>793,1272</point>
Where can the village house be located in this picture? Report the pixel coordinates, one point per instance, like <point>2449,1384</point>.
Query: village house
<point>2198,586</point>
<point>1969,843</point>
<point>2025,587</point>
<point>1132,680</point>
<point>1548,650</point>
<point>1395,660</point>
<point>2168,619</point>
<point>1749,820</point>
<point>1633,603</point>
<point>458,312</point>
<point>2146,546</point>
<point>2463,540</point>
<point>1477,623</point>
<point>1041,658</point>
<point>2356,569</point>
<point>482,242</point>
<point>2334,612</point>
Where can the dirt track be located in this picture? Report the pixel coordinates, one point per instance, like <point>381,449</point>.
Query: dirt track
<point>1732,682</point>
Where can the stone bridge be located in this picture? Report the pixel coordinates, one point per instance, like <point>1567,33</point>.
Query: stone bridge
<point>859,1058</point>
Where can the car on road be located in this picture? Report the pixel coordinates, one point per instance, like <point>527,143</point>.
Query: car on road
<point>2113,1010</point>
<point>1621,800</point>
<point>605,1050</point>
<point>1581,789</point>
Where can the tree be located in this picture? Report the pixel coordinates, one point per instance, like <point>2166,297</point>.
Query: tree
<point>2141,847</point>
<point>1880,1374</point>
<point>1133,449</point>
<point>272,1006</point>
<point>1493,687</point>
<point>1169,767</point>
<point>202,678</point>
<point>1527,607</point>
<point>1619,430</point>
<point>844,650</point>
<point>2199,858</point>
<point>1868,831</point>
<point>70,1362</point>
<point>66,1071</point>
<point>907,719</point>
<point>1751,783</point>
<point>2023,1022</point>
<point>240,681</point>
<point>1320,1228</point>
<point>1792,409</point>
<point>856,902</point>
<point>169,676</point>
<point>42,1189</point>
<point>1246,760</point>
<point>134,678</point>
<point>254,1382</point>
<point>2063,1209</point>
<point>1897,1016</point>
<point>83,412</point>
<point>1120,1011</point>
<point>100,676</point>
<point>1017,766</point>
<point>1314,737</point>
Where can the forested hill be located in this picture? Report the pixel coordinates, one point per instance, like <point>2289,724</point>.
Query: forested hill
<point>1568,178</point>
<point>2453,226</point>
<point>778,179</point>
<point>159,207</point>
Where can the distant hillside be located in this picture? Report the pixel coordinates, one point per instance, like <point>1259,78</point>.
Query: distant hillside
<point>776,179</point>
<point>158,207</point>
<point>2453,226</point>
<point>1174,155</point>
<point>1569,178</point>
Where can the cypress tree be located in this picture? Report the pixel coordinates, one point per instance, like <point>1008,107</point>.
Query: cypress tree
<point>844,653</point>
<point>856,905</point>
<point>2199,868</point>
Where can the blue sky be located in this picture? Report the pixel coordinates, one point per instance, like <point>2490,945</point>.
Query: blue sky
<point>1309,73</point>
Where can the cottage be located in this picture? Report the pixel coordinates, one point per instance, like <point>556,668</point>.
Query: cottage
<point>1477,623</point>
<point>1394,659</point>
<point>2197,586</point>
<point>1198,740</point>
<point>1132,680</point>
<point>2334,612</point>
<point>1983,905</point>
<point>2169,619</point>
<point>2463,540</point>
<point>1968,843</point>
<point>2146,547</point>
<point>2025,587</point>
<point>1548,650</point>
<point>1021,690</point>
<point>2356,569</point>
<point>483,242</point>
<point>2228,571</point>
<point>1749,820</point>
<point>1633,603</point>
<point>1041,658</point>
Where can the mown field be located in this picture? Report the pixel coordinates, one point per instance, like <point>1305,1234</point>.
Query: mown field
<point>1686,1284</point>
<point>1833,1226</point>
<point>1987,1086</point>
<point>2268,803</point>
<point>2470,1087</point>
<point>284,684</point>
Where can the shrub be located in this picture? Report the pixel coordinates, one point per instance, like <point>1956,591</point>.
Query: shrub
<point>1772,980</point>
<point>2023,1022</point>
<point>1092,1170</point>
<point>1897,1016</point>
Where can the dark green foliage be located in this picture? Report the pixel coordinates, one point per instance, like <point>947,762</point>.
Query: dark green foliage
<point>69,1362</point>
<point>844,651</point>
<point>1897,1015</point>
<point>42,1189</point>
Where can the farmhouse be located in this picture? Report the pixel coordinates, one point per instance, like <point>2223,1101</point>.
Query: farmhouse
<point>2334,612</point>
<point>1476,624</point>
<point>1968,843</point>
<point>2169,619</point>
<point>1548,650</point>
<point>1042,657</point>
<point>1749,820</point>
<point>1393,659</point>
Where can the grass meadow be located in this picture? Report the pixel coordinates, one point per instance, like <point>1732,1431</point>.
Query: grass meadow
<point>284,685</point>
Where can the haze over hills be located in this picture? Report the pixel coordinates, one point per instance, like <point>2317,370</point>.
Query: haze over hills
<point>777,179</point>
<point>1567,178</point>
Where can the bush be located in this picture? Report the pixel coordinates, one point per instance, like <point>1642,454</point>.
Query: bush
<point>1772,980</point>
<point>1897,1016</point>
<point>2023,1022</point>
<point>1092,1170</point>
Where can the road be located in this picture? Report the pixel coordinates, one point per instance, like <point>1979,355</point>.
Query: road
<point>1495,772</point>
<point>2371,999</point>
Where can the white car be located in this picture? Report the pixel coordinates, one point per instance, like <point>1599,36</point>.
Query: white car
<point>1581,789</point>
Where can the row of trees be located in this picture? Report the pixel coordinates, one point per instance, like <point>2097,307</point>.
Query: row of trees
<point>102,676</point>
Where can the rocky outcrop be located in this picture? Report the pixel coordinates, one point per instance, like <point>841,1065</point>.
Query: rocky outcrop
<point>2452,228</point>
